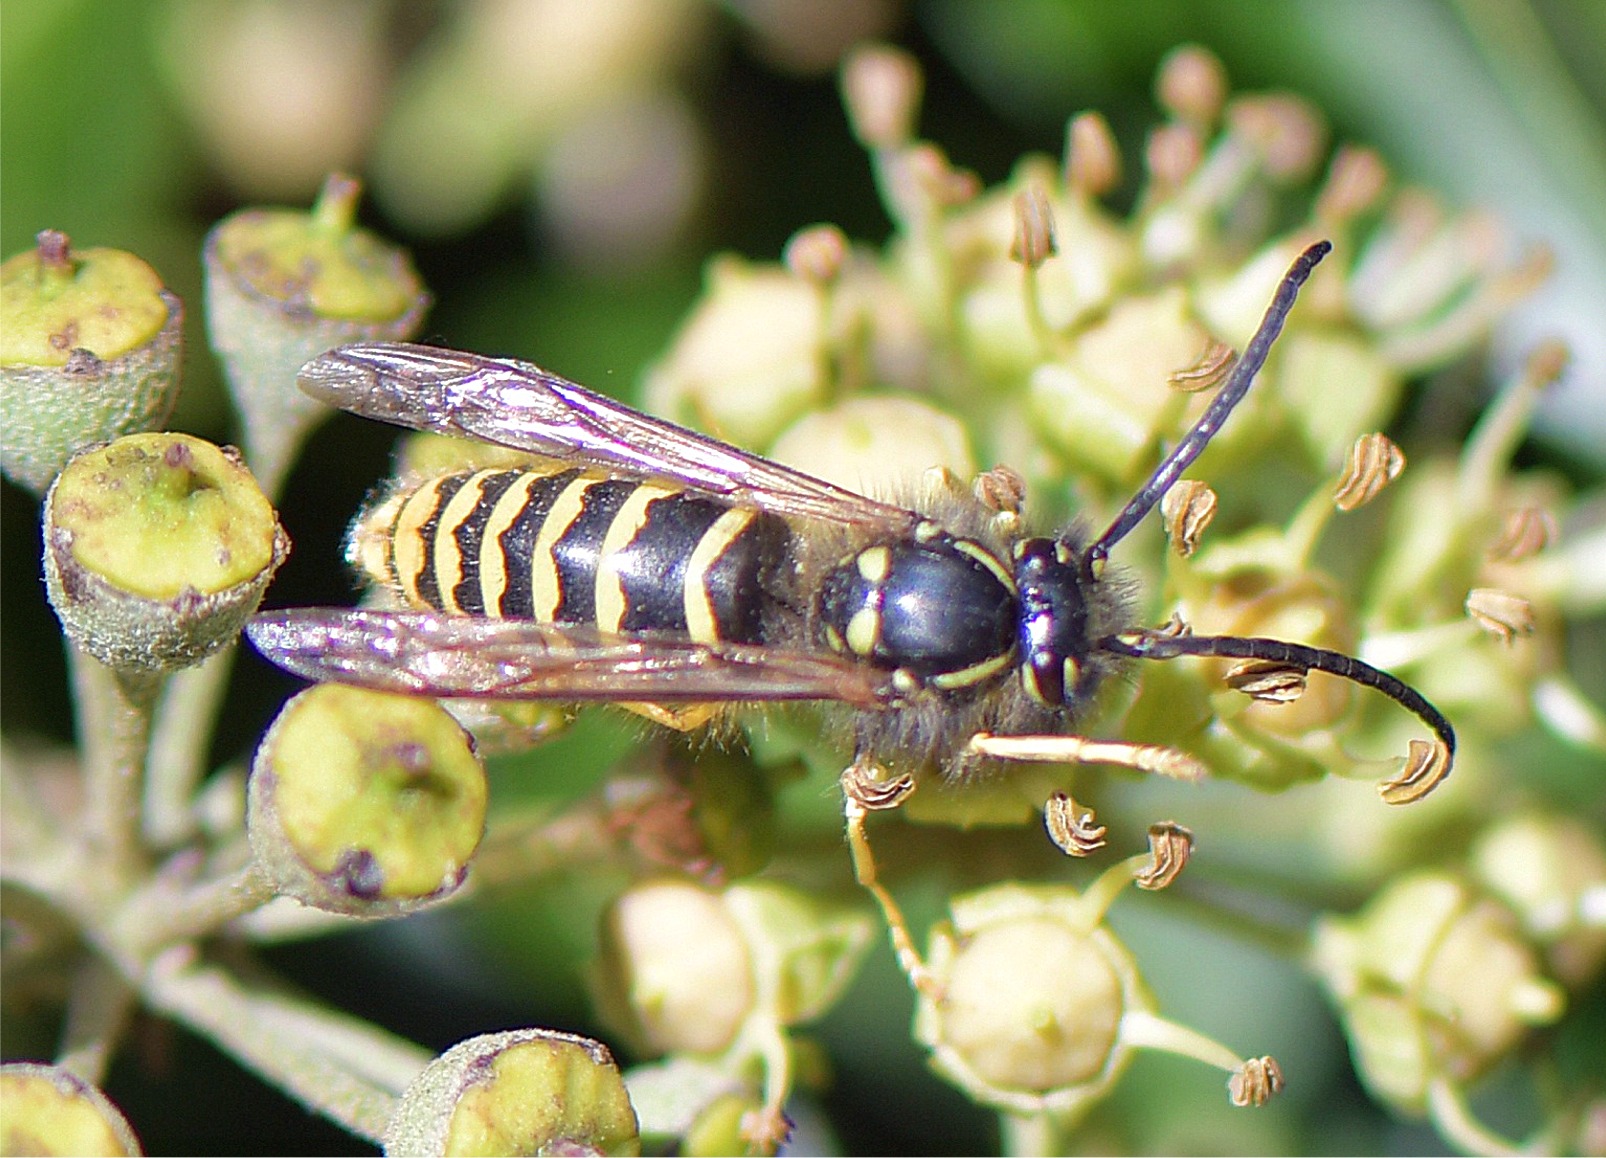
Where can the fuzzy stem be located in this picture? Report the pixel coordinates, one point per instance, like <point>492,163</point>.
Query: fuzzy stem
<point>159,916</point>
<point>114,717</point>
<point>186,719</point>
<point>343,1068</point>
<point>98,1009</point>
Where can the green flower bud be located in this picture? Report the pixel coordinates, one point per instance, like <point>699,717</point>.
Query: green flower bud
<point>1035,1007</point>
<point>283,286</point>
<point>877,446</point>
<point>90,345</point>
<point>1105,405</point>
<point>48,1110</point>
<point>526,1091</point>
<point>719,1128</point>
<point>685,969</point>
<point>1434,983</point>
<point>1550,870</point>
<point>158,547</point>
<point>675,974</point>
<point>750,359</point>
<point>1031,997</point>
<point>365,803</point>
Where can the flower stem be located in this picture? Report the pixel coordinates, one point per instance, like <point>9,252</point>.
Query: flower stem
<point>98,1008</point>
<point>343,1068</point>
<point>186,718</point>
<point>114,717</point>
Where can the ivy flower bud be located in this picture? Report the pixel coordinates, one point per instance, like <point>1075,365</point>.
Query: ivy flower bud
<point>1036,1007</point>
<point>525,1091</point>
<point>365,803</point>
<point>1552,871</point>
<point>675,971</point>
<point>876,445</point>
<point>1106,404</point>
<point>90,345</point>
<point>751,357</point>
<point>283,286</point>
<point>48,1110</point>
<point>158,547</point>
<point>1435,982</point>
<point>686,969</point>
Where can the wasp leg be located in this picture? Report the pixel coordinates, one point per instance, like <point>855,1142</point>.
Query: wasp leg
<point>1156,758</point>
<point>866,789</point>
<point>680,717</point>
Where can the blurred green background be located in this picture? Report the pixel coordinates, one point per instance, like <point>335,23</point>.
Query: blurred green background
<point>561,194</point>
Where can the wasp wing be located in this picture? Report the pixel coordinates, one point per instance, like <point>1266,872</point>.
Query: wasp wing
<point>425,653</point>
<point>519,405</point>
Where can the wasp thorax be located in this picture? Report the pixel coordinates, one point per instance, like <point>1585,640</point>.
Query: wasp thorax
<point>943,609</point>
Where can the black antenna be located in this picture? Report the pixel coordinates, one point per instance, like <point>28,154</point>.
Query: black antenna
<point>1148,646</point>
<point>1237,385</point>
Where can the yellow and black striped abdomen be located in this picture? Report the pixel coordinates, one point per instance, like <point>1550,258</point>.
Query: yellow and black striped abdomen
<point>578,547</point>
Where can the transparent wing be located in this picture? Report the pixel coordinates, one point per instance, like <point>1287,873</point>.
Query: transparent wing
<point>425,653</point>
<point>518,405</point>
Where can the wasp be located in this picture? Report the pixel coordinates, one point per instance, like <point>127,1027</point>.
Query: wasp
<point>646,564</point>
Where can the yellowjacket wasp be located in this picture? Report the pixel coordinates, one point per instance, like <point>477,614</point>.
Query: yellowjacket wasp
<point>648,564</point>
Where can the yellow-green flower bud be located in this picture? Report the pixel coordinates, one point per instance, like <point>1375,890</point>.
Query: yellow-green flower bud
<point>878,445</point>
<point>687,969</point>
<point>1035,1007</point>
<point>90,345</point>
<point>1552,871</point>
<point>284,285</point>
<point>1107,403</point>
<point>675,972</point>
<point>365,803</point>
<point>719,1128</point>
<point>158,547</point>
<point>749,359</point>
<point>1031,994</point>
<point>526,1091</point>
<point>1434,982</point>
<point>47,1110</point>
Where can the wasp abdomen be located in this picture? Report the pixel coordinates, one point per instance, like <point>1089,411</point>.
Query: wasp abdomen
<point>581,547</point>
